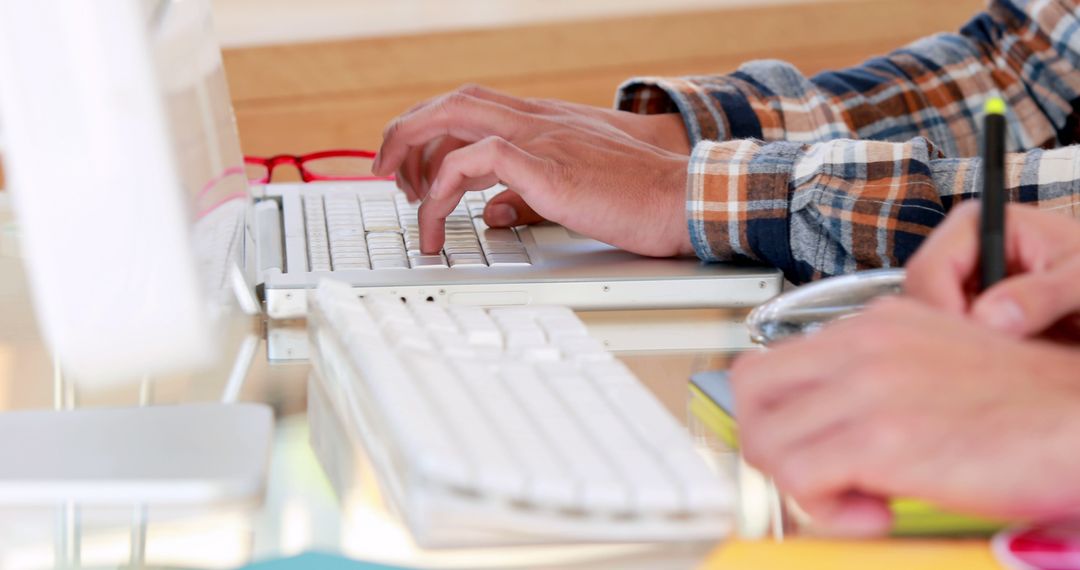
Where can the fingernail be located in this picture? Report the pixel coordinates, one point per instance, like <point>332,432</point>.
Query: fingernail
<point>1003,315</point>
<point>502,215</point>
<point>375,164</point>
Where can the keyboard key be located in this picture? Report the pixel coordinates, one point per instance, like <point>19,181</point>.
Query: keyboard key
<point>651,491</point>
<point>352,265</point>
<point>652,423</point>
<point>462,246</point>
<point>609,374</point>
<point>548,482</point>
<point>510,247</point>
<point>597,485</point>
<point>558,327</point>
<point>507,259</point>
<point>381,223</point>
<point>434,318</point>
<point>396,263</point>
<point>476,326</point>
<point>407,336</point>
<point>466,260</point>
<point>496,235</point>
<point>421,261</point>
<point>699,485</point>
<point>541,353</point>
<point>524,338</point>
<point>349,251</point>
<point>452,344</point>
<point>347,247</point>
<point>488,458</point>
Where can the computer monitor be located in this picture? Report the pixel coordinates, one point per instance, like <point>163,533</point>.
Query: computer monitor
<point>127,180</point>
<point>122,155</point>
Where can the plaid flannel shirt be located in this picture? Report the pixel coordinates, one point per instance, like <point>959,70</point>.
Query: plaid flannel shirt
<point>852,169</point>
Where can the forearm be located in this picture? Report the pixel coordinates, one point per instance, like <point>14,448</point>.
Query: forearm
<point>837,207</point>
<point>933,88</point>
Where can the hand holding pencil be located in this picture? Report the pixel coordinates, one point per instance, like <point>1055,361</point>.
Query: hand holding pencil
<point>964,266</point>
<point>943,396</point>
<point>1041,295</point>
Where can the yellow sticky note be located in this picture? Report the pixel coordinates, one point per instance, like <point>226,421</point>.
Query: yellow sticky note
<point>814,554</point>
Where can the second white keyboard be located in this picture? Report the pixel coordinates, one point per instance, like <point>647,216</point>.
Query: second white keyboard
<point>518,408</point>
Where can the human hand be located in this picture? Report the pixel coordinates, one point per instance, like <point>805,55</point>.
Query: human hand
<point>666,131</point>
<point>572,169</point>
<point>1041,294</point>
<point>906,401</point>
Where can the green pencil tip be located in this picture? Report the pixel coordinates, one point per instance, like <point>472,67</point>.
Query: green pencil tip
<point>995,106</point>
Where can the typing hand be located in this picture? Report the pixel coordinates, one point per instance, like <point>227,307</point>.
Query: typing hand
<point>592,170</point>
<point>907,401</point>
<point>666,131</point>
<point>1041,295</point>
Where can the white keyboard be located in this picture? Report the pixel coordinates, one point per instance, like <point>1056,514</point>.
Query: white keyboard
<point>215,238</point>
<point>509,421</point>
<point>378,230</point>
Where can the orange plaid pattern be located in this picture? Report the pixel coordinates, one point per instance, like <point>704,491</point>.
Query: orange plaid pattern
<point>852,169</point>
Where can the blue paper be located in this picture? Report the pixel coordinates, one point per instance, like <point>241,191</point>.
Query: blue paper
<point>319,560</point>
<point>717,387</point>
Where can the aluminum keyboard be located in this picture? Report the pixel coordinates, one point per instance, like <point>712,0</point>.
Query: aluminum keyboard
<point>514,409</point>
<point>378,230</point>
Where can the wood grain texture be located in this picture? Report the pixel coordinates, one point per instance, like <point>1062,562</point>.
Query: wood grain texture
<point>303,97</point>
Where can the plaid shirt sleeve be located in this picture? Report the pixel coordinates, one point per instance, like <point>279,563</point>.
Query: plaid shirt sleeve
<point>848,170</point>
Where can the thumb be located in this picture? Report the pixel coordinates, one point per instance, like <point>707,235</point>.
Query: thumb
<point>1030,303</point>
<point>509,209</point>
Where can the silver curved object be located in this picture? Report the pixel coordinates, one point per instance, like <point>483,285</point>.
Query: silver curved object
<point>808,308</point>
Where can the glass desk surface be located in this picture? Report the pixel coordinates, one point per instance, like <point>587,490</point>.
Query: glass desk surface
<point>299,511</point>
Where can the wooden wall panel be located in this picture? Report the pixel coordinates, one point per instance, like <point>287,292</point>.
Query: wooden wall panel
<point>304,97</point>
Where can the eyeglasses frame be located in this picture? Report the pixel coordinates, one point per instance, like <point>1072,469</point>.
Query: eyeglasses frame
<point>298,161</point>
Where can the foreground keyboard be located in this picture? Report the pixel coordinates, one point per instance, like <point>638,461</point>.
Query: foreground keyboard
<point>509,422</point>
<point>379,230</point>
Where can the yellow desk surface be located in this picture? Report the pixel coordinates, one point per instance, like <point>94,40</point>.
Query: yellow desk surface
<point>815,554</point>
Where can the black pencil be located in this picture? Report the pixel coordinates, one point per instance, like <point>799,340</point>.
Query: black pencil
<point>992,226</point>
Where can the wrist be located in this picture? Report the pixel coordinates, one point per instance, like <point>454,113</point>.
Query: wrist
<point>679,234</point>
<point>668,131</point>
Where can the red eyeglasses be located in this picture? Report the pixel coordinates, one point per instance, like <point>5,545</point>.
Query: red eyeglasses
<point>316,166</point>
